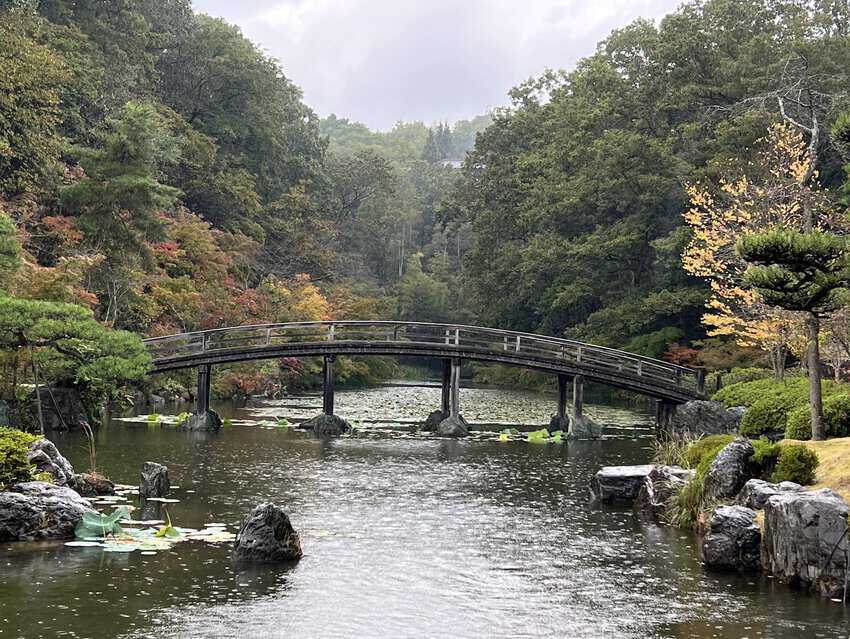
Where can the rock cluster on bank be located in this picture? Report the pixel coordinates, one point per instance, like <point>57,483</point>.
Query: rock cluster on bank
<point>37,510</point>
<point>327,425</point>
<point>705,417</point>
<point>802,541</point>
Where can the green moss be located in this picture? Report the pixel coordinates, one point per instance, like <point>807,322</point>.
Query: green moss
<point>795,463</point>
<point>702,451</point>
<point>14,465</point>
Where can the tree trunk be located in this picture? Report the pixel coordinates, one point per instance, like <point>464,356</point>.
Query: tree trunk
<point>777,359</point>
<point>815,398</point>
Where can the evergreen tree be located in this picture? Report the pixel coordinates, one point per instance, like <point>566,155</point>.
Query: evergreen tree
<point>805,272</point>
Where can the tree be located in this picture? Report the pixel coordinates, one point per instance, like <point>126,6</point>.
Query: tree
<point>802,272</point>
<point>29,104</point>
<point>773,194</point>
<point>10,250</point>
<point>65,345</point>
<point>117,206</point>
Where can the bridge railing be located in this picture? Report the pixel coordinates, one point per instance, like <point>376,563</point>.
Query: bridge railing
<point>467,338</point>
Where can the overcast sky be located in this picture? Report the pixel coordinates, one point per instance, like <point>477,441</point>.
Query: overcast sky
<point>380,61</point>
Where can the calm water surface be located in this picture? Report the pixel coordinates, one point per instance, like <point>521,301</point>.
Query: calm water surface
<point>404,536</point>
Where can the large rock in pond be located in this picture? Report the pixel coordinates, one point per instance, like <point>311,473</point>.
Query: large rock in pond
<point>327,425</point>
<point>733,539</point>
<point>756,492</point>
<point>729,471</point>
<point>36,510</point>
<point>659,487</point>
<point>584,427</point>
<point>801,532</point>
<point>209,420</point>
<point>46,458</point>
<point>61,409</point>
<point>93,485</point>
<point>266,535</point>
<point>619,483</point>
<point>433,421</point>
<point>702,417</point>
<point>154,480</point>
<point>453,426</point>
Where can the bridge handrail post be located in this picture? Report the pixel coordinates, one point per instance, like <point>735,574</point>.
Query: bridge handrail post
<point>517,343</point>
<point>268,336</point>
<point>331,332</point>
<point>701,380</point>
<point>457,336</point>
<point>204,342</point>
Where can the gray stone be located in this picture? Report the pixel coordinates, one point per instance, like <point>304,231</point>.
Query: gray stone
<point>584,428</point>
<point>559,424</point>
<point>733,539</point>
<point>701,417</point>
<point>46,458</point>
<point>93,485</point>
<point>729,471</point>
<point>619,483</point>
<point>154,480</point>
<point>659,487</point>
<point>756,492</point>
<point>61,409</point>
<point>453,426</point>
<point>433,420</point>
<point>801,529</point>
<point>266,535</point>
<point>36,510</point>
<point>327,425</point>
<point>209,420</point>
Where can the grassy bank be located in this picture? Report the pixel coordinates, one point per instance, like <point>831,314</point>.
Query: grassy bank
<point>834,468</point>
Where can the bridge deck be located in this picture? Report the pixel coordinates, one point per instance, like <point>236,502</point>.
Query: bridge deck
<point>620,369</point>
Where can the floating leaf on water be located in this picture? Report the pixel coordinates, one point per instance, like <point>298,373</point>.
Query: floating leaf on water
<point>503,437</point>
<point>148,552</point>
<point>120,547</point>
<point>163,500</point>
<point>99,525</point>
<point>83,544</point>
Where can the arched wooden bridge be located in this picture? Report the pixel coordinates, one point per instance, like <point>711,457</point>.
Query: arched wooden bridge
<point>578,361</point>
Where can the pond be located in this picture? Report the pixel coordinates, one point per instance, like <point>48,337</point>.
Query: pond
<point>404,536</point>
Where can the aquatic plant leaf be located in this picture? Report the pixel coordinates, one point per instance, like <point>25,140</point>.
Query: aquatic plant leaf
<point>503,437</point>
<point>97,525</point>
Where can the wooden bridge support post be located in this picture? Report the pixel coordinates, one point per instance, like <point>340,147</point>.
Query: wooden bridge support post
<point>446,400</point>
<point>454,409</point>
<point>328,384</point>
<point>578,396</point>
<point>664,412</point>
<point>562,398</point>
<point>203,399</point>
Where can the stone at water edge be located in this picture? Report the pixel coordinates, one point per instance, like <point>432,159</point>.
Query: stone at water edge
<point>756,492</point>
<point>733,540</point>
<point>36,510</point>
<point>729,471</point>
<point>433,421</point>
<point>327,425</point>
<point>558,424</point>
<point>453,426</point>
<point>266,535</point>
<point>800,531</point>
<point>584,428</point>
<point>659,486</point>
<point>207,421</point>
<point>619,483</point>
<point>93,485</point>
<point>702,417</point>
<point>46,458</point>
<point>154,480</point>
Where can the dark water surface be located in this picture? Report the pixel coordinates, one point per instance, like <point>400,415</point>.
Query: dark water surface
<point>404,536</point>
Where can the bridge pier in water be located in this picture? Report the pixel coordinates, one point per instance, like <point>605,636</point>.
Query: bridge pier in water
<point>203,397</point>
<point>328,384</point>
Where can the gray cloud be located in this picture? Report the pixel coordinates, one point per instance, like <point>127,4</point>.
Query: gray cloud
<point>379,61</point>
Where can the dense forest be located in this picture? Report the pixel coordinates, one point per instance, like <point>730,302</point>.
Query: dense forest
<point>162,171</point>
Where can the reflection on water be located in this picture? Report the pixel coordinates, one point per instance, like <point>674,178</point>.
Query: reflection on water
<point>404,536</point>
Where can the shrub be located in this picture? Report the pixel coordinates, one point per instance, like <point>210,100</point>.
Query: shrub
<point>14,465</point>
<point>748,393</point>
<point>764,458</point>
<point>671,451</point>
<point>836,417</point>
<point>737,376</point>
<point>701,452</point>
<point>795,463</point>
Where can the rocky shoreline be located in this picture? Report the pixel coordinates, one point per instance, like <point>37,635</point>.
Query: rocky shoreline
<point>751,525</point>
